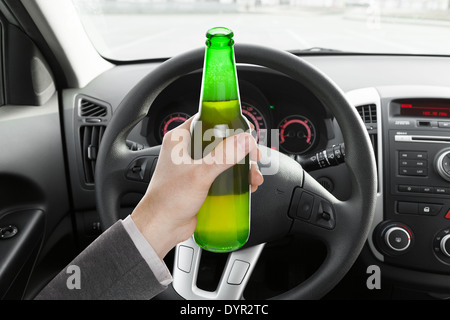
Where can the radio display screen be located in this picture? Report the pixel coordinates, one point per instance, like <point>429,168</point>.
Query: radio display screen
<point>433,108</point>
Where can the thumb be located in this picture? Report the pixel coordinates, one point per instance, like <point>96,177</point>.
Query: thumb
<point>229,152</point>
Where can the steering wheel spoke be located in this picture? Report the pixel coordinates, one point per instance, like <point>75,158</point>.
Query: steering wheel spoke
<point>126,171</point>
<point>316,212</point>
<point>237,272</point>
<point>140,166</point>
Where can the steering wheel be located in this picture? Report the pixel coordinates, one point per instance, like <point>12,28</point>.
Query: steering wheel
<point>278,207</point>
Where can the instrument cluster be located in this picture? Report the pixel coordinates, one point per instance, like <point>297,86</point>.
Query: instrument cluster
<point>292,123</point>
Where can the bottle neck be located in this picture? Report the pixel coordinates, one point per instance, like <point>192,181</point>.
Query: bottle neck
<point>219,81</point>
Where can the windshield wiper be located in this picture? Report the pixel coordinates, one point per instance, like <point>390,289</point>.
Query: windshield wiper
<point>315,50</point>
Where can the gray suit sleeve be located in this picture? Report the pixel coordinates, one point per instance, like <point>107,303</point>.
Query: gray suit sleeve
<point>110,268</point>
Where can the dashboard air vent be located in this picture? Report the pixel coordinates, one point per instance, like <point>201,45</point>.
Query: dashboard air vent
<point>90,137</point>
<point>91,109</point>
<point>368,113</point>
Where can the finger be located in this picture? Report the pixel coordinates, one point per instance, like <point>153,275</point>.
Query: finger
<point>256,178</point>
<point>255,154</point>
<point>230,152</point>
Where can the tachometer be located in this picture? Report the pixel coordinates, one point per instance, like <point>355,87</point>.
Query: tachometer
<point>172,121</point>
<point>297,134</point>
<point>257,119</point>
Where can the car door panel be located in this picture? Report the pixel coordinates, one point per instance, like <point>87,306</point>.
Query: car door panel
<point>33,186</point>
<point>19,249</point>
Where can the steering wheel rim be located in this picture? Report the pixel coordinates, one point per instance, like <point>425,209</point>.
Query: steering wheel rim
<point>353,216</point>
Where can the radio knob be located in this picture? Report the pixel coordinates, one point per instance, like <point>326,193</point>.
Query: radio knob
<point>443,164</point>
<point>397,238</point>
<point>445,245</point>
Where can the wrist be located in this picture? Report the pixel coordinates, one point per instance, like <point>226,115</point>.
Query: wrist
<point>157,234</point>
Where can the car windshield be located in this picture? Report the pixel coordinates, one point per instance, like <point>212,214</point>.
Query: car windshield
<point>148,29</point>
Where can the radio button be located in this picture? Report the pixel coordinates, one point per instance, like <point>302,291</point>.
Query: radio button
<point>444,124</point>
<point>421,172</point>
<point>405,188</point>
<point>427,189</point>
<point>413,163</point>
<point>421,155</point>
<point>413,172</point>
<point>421,163</point>
<point>413,155</point>
<point>440,190</point>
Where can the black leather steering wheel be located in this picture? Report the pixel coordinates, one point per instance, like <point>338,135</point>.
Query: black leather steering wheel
<point>343,226</point>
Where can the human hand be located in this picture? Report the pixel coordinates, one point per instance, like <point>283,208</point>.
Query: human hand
<point>166,215</point>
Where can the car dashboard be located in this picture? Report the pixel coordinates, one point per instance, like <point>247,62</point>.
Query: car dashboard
<point>403,101</point>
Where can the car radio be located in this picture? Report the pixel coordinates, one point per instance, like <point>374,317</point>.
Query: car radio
<point>415,231</point>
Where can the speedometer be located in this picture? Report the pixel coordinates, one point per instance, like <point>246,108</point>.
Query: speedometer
<point>297,134</point>
<point>172,121</point>
<point>257,119</point>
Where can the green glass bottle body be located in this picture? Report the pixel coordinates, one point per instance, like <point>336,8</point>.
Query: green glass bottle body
<point>223,221</point>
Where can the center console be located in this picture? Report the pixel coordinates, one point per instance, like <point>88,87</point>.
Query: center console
<point>412,230</point>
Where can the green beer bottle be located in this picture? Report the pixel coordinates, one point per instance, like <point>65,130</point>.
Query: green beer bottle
<point>223,222</point>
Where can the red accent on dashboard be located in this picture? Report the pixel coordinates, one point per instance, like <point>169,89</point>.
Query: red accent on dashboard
<point>447,216</point>
<point>435,108</point>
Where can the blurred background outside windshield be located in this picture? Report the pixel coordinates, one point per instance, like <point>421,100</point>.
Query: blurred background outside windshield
<point>146,29</point>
